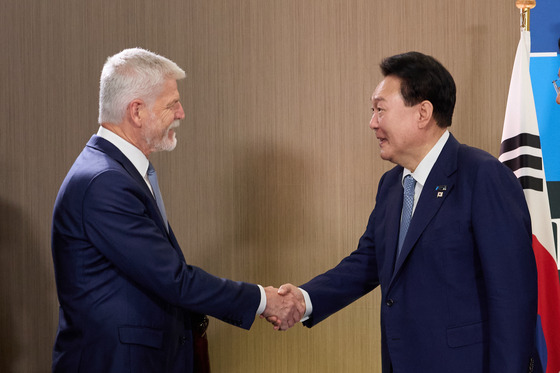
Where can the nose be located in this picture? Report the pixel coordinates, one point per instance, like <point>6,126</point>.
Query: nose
<point>373,124</point>
<point>180,113</point>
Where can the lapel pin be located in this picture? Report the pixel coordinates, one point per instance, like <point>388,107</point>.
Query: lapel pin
<point>440,189</point>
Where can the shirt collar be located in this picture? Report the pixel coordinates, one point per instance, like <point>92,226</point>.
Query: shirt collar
<point>425,166</point>
<point>134,155</point>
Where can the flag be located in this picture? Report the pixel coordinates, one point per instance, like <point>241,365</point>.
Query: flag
<point>521,151</point>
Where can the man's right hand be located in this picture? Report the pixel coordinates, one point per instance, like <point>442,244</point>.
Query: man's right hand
<point>284,307</point>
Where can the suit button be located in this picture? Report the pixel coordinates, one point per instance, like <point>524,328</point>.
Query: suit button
<point>182,340</point>
<point>531,365</point>
<point>389,302</point>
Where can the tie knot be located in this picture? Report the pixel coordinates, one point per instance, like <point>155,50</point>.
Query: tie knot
<point>151,169</point>
<point>409,184</point>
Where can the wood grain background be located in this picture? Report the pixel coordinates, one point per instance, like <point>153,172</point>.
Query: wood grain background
<point>276,170</point>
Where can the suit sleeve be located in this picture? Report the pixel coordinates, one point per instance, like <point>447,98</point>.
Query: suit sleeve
<point>118,223</point>
<point>355,276</point>
<point>502,233</point>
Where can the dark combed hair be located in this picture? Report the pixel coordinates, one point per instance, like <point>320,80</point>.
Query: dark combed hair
<point>423,78</point>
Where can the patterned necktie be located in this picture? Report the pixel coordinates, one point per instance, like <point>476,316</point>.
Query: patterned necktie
<point>152,177</point>
<point>408,203</point>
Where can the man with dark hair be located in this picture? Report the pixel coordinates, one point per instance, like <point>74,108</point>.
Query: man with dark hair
<point>449,240</point>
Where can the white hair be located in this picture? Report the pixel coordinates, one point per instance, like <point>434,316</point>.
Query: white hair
<point>129,75</point>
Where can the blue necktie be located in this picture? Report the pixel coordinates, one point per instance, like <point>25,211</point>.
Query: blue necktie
<point>152,177</point>
<point>408,203</point>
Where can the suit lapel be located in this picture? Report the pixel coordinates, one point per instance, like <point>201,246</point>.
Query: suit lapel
<point>394,200</point>
<point>112,151</point>
<point>175,244</point>
<point>439,184</point>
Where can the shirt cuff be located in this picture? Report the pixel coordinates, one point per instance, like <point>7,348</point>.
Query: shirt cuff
<point>308,305</point>
<point>262,305</point>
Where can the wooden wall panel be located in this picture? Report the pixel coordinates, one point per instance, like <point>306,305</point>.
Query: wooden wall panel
<point>276,169</point>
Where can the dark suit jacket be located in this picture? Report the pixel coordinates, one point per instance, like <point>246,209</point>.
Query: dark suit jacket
<point>462,296</point>
<point>126,294</point>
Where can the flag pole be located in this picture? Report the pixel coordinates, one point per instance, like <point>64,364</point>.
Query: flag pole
<point>525,7</point>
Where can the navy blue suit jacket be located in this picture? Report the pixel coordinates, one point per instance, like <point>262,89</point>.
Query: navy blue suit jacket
<point>462,296</point>
<point>126,294</point>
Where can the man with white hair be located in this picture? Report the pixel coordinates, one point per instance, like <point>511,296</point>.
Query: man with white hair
<point>129,302</point>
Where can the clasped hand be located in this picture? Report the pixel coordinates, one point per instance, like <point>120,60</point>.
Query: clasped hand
<point>284,306</point>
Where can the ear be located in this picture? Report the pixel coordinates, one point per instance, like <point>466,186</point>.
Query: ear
<point>136,111</point>
<point>425,112</point>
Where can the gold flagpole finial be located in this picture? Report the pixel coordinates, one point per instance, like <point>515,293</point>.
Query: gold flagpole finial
<point>525,7</point>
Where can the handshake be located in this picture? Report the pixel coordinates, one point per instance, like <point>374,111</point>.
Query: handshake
<point>285,306</point>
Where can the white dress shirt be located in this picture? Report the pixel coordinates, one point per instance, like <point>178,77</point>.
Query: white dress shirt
<point>424,167</point>
<point>134,155</point>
